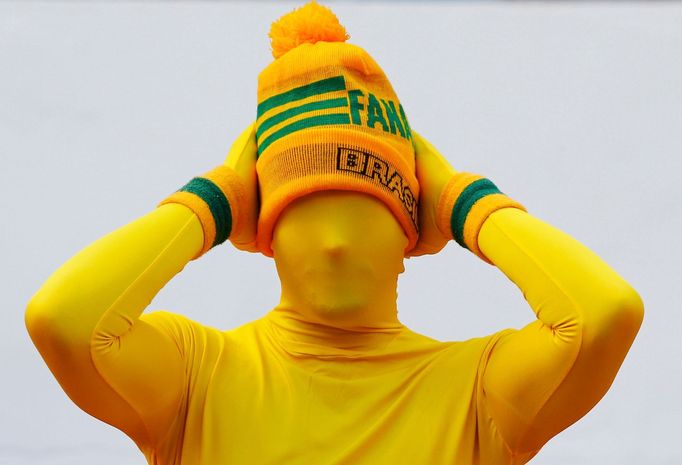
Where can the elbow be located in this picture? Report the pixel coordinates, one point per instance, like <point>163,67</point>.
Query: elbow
<point>39,318</point>
<point>55,332</point>
<point>44,320</point>
<point>624,315</point>
<point>631,309</point>
<point>35,314</point>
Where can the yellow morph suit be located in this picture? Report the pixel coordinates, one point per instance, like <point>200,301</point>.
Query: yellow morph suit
<point>360,388</point>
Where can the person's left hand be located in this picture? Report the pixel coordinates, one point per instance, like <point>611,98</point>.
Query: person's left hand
<point>433,172</point>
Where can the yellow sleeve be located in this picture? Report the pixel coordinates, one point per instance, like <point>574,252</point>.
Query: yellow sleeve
<point>85,322</point>
<point>541,379</point>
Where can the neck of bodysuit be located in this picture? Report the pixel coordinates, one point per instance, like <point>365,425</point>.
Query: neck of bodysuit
<point>367,302</point>
<point>360,319</point>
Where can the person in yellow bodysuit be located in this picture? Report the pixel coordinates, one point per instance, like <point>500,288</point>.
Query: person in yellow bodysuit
<point>330,375</point>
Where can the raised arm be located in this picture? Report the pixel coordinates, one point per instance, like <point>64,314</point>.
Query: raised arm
<point>121,367</point>
<point>85,322</point>
<point>544,377</point>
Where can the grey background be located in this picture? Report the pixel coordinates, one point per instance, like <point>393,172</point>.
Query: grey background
<point>573,109</point>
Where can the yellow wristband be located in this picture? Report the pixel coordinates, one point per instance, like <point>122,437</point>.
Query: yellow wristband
<point>214,197</point>
<point>465,203</point>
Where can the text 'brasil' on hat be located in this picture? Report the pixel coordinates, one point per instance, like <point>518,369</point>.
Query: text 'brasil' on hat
<point>328,118</point>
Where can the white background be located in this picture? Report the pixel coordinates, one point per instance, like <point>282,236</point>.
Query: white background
<point>574,109</point>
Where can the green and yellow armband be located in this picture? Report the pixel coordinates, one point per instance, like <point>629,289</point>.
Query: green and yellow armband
<point>465,203</point>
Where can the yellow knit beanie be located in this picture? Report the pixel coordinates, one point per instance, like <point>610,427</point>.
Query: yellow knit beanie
<point>328,118</point>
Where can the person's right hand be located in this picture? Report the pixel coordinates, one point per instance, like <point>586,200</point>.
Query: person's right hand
<point>242,159</point>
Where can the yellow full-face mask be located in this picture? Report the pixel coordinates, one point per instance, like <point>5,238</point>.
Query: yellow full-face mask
<point>338,255</point>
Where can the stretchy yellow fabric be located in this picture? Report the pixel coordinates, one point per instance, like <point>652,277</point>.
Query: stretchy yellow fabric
<point>273,392</point>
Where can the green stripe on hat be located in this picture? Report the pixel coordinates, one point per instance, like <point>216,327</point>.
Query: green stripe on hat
<point>466,200</point>
<point>291,112</point>
<point>314,88</point>
<point>217,203</point>
<point>313,121</point>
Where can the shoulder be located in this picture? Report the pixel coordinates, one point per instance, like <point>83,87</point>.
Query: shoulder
<point>185,332</point>
<point>474,351</point>
<point>472,345</point>
<point>470,355</point>
<point>172,322</point>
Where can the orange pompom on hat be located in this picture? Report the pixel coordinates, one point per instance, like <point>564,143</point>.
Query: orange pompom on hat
<point>328,118</point>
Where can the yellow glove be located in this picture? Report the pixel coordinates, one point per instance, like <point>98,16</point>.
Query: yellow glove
<point>433,173</point>
<point>242,160</point>
<point>225,198</point>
